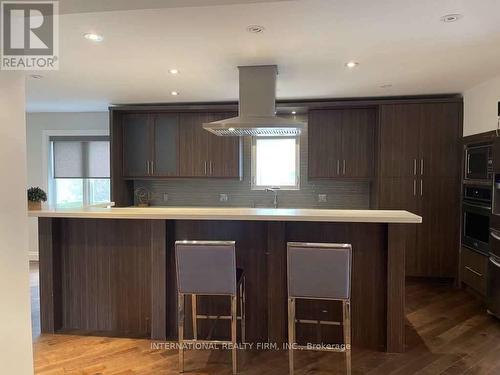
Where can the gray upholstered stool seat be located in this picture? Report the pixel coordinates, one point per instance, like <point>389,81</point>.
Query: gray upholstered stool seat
<point>209,268</point>
<point>323,272</point>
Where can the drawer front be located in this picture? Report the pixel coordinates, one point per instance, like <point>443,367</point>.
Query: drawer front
<point>474,268</point>
<point>495,241</point>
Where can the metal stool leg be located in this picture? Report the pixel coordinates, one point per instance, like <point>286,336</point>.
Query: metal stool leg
<point>180,320</point>
<point>234,319</point>
<point>194,313</point>
<point>242,309</point>
<point>347,333</point>
<point>291,332</point>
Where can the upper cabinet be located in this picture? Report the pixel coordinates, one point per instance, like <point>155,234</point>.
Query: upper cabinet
<point>440,145</point>
<point>166,139</point>
<point>341,143</point>
<point>399,132</point>
<point>419,139</point>
<point>203,154</point>
<point>176,145</point>
<point>150,145</point>
<point>137,151</point>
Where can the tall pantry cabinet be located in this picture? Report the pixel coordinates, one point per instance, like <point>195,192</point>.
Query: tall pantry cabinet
<point>419,171</point>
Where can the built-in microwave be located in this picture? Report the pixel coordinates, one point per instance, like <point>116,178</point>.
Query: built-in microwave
<point>479,162</point>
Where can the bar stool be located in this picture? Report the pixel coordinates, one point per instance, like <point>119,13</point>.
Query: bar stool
<point>209,268</point>
<point>319,271</point>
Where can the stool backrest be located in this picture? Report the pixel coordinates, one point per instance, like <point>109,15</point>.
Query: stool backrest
<point>206,267</point>
<point>319,270</point>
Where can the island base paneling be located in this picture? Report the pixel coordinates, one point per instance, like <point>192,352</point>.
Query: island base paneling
<point>97,276</point>
<point>117,277</point>
<point>261,253</point>
<point>369,284</point>
<point>251,244</point>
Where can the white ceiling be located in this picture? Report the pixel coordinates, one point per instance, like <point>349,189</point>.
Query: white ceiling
<point>89,6</point>
<point>398,42</point>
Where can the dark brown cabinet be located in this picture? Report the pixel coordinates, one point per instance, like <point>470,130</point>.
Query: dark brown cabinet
<point>166,139</point>
<point>438,235</point>
<point>399,147</point>
<point>137,153</point>
<point>202,154</point>
<point>419,139</point>
<point>324,150</point>
<point>341,143</point>
<point>419,152</point>
<point>150,145</point>
<point>193,145</point>
<point>400,193</point>
<point>440,148</point>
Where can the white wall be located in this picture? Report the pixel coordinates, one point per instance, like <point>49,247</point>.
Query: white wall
<point>38,127</point>
<point>480,107</point>
<point>15,323</point>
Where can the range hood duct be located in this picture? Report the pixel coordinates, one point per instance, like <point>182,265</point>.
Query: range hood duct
<point>257,107</point>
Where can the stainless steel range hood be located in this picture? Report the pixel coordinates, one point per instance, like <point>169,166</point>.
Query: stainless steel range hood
<point>257,107</point>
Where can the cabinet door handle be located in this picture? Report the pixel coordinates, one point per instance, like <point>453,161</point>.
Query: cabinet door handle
<point>152,167</point>
<point>414,167</point>
<point>421,167</point>
<point>494,262</point>
<point>338,167</point>
<point>211,168</point>
<point>147,166</point>
<point>205,163</point>
<point>473,271</point>
<point>343,166</point>
<point>414,187</point>
<point>495,236</point>
<point>421,188</point>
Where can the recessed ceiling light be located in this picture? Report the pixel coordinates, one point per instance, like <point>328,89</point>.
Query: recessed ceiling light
<point>451,17</point>
<point>36,76</point>
<point>93,37</point>
<point>386,86</point>
<point>173,71</point>
<point>351,64</point>
<point>255,29</point>
<point>294,112</point>
<point>174,93</point>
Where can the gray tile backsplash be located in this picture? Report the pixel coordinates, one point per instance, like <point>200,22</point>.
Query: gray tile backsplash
<point>207,192</point>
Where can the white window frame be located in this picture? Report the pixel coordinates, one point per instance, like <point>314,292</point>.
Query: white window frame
<point>47,157</point>
<point>254,185</point>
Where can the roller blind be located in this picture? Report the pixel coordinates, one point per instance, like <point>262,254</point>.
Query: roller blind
<point>80,157</point>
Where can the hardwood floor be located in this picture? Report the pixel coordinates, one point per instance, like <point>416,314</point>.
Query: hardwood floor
<point>448,332</point>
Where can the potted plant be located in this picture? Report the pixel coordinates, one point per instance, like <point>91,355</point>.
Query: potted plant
<point>35,198</point>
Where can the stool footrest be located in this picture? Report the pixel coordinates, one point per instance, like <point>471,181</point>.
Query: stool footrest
<point>216,317</point>
<point>323,322</point>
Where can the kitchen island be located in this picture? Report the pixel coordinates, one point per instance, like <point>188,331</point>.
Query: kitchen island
<point>111,271</point>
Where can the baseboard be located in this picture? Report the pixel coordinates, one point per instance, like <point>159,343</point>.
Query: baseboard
<point>33,256</point>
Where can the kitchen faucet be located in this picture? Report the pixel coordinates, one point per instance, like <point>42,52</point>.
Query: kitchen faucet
<point>275,191</point>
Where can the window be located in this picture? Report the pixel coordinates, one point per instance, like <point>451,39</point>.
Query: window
<point>275,162</point>
<point>79,171</point>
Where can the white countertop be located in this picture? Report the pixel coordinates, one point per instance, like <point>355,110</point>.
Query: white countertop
<point>234,213</point>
